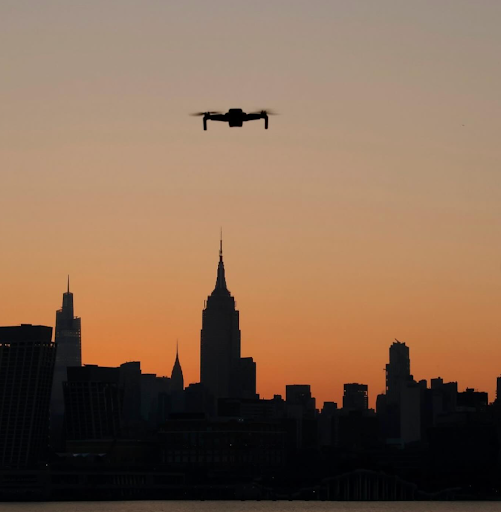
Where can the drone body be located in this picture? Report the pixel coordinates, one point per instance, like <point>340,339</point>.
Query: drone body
<point>235,117</point>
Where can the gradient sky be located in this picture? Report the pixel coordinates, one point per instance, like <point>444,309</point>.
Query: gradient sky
<point>370,210</point>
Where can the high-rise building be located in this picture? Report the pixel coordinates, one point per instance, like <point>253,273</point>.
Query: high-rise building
<point>398,371</point>
<point>69,353</point>
<point>155,399</point>
<point>176,378</point>
<point>108,403</point>
<point>248,378</point>
<point>300,411</point>
<point>94,403</point>
<point>68,333</point>
<point>356,397</point>
<point>410,405</point>
<point>27,357</point>
<point>220,340</point>
<point>444,396</point>
<point>178,403</point>
<point>399,409</point>
<point>299,400</point>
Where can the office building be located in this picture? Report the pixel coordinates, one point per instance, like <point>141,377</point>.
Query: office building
<point>69,353</point>
<point>248,378</point>
<point>220,340</point>
<point>356,397</point>
<point>27,357</point>
<point>398,371</point>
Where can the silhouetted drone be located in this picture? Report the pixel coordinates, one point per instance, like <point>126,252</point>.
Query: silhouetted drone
<point>235,117</point>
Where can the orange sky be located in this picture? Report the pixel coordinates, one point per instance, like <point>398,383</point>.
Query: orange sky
<point>369,210</point>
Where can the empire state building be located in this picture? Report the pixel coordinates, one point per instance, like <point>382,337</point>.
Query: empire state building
<point>220,361</point>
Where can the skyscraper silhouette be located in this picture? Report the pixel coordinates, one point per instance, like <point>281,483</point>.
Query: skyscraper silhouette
<point>356,397</point>
<point>69,353</point>
<point>400,408</point>
<point>398,371</point>
<point>27,358</point>
<point>220,340</point>
<point>176,378</point>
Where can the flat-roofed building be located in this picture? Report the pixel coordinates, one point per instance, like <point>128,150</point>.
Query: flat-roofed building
<point>27,357</point>
<point>356,397</point>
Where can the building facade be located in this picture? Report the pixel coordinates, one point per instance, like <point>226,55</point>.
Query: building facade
<point>398,371</point>
<point>94,403</point>
<point>69,353</point>
<point>356,397</point>
<point>220,340</point>
<point>27,357</point>
<point>114,403</point>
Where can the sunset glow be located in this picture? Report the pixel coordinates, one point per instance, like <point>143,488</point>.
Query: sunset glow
<point>368,211</point>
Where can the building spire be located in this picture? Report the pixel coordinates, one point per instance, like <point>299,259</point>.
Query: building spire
<point>177,380</point>
<point>221,280</point>
<point>221,246</point>
<point>68,300</point>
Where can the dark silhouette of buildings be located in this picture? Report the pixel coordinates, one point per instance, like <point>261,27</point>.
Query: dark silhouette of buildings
<point>250,448</point>
<point>128,434</point>
<point>93,402</point>
<point>356,397</point>
<point>222,371</point>
<point>400,408</point>
<point>68,333</point>
<point>443,397</point>
<point>176,378</point>
<point>398,371</point>
<point>220,339</point>
<point>471,399</point>
<point>27,357</point>
<point>104,403</point>
<point>69,353</point>
<point>156,400</point>
<point>301,417</point>
<point>298,398</point>
<point>248,378</point>
<point>411,414</point>
<point>177,395</point>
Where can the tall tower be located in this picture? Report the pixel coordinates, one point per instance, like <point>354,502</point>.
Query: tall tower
<point>220,340</point>
<point>398,371</point>
<point>69,353</point>
<point>68,338</point>
<point>176,378</point>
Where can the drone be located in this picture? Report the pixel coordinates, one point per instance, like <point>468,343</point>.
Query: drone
<point>235,117</point>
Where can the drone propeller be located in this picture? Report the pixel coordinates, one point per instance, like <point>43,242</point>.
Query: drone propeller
<point>210,112</point>
<point>268,112</point>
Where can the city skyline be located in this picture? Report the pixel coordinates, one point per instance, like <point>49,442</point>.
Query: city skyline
<point>422,442</point>
<point>368,211</point>
<point>221,288</point>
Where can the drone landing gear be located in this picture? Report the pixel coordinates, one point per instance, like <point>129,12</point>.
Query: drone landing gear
<point>266,123</point>
<point>205,124</point>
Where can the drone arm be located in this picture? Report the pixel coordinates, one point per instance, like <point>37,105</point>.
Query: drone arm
<point>253,117</point>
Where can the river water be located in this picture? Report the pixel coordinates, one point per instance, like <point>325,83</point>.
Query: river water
<point>252,506</point>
